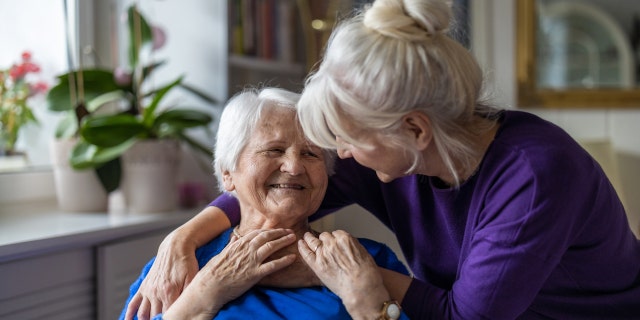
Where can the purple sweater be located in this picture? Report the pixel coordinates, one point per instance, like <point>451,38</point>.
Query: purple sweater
<point>537,232</point>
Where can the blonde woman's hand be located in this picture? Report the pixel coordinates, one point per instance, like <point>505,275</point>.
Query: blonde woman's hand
<point>173,269</point>
<point>347,269</point>
<point>238,267</point>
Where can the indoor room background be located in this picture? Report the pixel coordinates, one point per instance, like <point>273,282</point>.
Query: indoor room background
<point>197,46</point>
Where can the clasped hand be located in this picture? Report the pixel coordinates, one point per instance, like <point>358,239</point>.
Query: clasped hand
<point>339,261</point>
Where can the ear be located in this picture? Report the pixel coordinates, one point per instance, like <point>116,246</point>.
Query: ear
<point>418,126</point>
<point>227,181</point>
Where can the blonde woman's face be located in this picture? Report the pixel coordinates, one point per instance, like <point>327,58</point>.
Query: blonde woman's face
<point>279,173</point>
<point>387,160</point>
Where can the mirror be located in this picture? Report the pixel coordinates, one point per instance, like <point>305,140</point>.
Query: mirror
<point>578,53</point>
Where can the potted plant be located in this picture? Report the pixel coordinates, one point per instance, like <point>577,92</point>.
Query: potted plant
<point>16,89</point>
<point>120,113</point>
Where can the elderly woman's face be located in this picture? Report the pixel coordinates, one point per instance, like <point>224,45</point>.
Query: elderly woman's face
<point>279,172</point>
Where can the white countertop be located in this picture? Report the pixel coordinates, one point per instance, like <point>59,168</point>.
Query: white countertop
<point>28,229</point>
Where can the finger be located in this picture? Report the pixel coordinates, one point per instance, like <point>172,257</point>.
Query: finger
<point>259,237</point>
<point>340,233</point>
<point>233,238</point>
<point>307,254</point>
<point>168,300</point>
<point>187,280</point>
<point>156,307</point>
<point>264,236</point>
<point>327,236</point>
<point>312,242</point>
<point>272,266</point>
<point>133,306</point>
<point>272,246</point>
<point>144,310</point>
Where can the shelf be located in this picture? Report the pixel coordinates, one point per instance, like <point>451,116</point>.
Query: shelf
<point>265,65</point>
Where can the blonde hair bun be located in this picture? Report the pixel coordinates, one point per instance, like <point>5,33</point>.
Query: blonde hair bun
<point>409,20</point>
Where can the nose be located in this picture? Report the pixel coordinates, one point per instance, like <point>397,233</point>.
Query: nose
<point>293,165</point>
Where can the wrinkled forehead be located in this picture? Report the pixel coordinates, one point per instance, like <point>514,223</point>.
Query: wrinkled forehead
<point>280,123</point>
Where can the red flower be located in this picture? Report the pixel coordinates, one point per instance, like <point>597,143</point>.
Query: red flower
<point>26,56</point>
<point>37,88</point>
<point>15,92</point>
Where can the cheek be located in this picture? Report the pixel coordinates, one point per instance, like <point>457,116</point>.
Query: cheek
<point>366,157</point>
<point>318,178</point>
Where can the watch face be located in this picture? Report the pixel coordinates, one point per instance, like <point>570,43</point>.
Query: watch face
<point>393,311</point>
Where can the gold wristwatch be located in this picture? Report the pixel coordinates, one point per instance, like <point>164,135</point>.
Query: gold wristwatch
<point>390,310</point>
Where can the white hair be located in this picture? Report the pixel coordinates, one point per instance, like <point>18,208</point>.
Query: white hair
<point>238,120</point>
<point>393,58</point>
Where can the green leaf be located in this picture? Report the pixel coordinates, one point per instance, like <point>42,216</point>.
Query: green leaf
<point>140,35</point>
<point>148,115</point>
<point>96,82</point>
<point>82,155</point>
<point>147,70</point>
<point>67,127</point>
<point>105,98</point>
<point>86,155</point>
<point>110,175</point>
<point>111,130</point>
<point>103,155</point>
<point>199,93</point>
<point>177,120</point>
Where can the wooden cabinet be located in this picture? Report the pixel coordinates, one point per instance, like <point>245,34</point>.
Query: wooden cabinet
<point>51,286</point>
<point>58,265</point>
<point>118,265</point>
<point>84,283</point>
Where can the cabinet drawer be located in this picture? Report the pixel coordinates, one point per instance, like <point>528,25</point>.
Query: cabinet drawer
<point>54,286</point>
<point>119,264</point>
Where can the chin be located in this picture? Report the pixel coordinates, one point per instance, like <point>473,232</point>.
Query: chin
<point>385,177</point>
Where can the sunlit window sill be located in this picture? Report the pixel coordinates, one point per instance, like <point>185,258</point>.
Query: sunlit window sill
<point>34,184</point>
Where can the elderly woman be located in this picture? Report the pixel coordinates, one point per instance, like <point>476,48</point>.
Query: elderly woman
<point>279,179</point>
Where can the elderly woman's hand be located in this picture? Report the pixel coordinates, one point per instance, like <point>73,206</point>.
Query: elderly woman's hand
<point>240,265</point>
<point>347,269</point>
<point>173,269</point>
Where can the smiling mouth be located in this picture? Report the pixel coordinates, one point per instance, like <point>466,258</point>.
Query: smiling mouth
<point>287,186</point>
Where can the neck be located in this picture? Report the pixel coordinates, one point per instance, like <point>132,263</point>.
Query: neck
<point>465,172</point>
<point>256,222</point>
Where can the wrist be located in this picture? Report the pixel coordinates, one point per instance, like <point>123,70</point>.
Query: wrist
<point>179,241</point>
<point>190,305</point>
<point>367,307</point>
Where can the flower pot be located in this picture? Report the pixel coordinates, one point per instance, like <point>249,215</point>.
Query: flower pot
<point>76,190</point>
<point>150,176</point>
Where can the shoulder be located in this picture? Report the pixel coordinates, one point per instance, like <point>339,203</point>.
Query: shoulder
<point>383,255</point>
<point>213,247</point>
<point>529,144</point>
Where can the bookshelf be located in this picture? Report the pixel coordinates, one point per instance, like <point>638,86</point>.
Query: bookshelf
<point>277,42</point>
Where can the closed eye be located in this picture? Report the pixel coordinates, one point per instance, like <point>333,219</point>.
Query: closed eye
<point>273,152</point>
<point>311,154</point>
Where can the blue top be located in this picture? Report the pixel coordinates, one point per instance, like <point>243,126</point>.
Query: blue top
<point>537,232</point>
<point>277,303</point>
